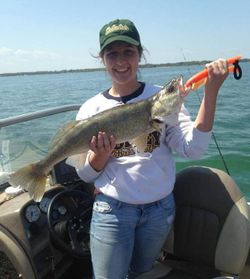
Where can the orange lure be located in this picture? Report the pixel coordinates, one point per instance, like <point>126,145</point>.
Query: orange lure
<point>200,78</point>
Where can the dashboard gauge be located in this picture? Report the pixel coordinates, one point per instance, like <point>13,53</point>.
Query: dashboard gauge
<point>62,210</point>
<point>32,213</point>
<point>44,204</point>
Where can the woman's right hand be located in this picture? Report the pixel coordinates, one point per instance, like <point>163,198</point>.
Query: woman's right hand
<point>101,147</point>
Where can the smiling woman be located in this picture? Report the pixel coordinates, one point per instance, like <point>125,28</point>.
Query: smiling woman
<point>126,184</point>
<point>121,61</point>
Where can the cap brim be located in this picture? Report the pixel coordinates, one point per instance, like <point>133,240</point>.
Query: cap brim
<point>121,38</point>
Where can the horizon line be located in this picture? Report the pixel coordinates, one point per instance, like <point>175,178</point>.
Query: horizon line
<point>147,65</point>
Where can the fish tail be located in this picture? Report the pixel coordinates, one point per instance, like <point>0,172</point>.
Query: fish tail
<point>31,178</point>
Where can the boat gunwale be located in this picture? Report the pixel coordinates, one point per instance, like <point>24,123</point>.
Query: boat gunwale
<point>37,114</point>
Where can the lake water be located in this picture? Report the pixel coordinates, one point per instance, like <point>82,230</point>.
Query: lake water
<point>28,93</point>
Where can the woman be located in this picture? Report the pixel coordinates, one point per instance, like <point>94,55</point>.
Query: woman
<point>134,205</point>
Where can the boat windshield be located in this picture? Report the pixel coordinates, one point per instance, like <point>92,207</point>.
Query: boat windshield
<point>26,139</point>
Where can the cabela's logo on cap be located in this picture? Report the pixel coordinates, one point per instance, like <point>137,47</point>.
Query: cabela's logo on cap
<point>115,27</point>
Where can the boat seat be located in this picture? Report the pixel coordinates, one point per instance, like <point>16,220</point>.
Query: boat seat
<point>211,233</point>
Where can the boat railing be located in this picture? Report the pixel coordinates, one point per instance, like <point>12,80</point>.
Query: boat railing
<point>37,114</point>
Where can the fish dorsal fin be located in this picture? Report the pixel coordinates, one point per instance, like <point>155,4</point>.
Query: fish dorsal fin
<point>62,131</point>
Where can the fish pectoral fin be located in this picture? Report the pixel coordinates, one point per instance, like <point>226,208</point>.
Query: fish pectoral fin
<point>157,124</point>
<point>141,142</point>
<point>77,161</point>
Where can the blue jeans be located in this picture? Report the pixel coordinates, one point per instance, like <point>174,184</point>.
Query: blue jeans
<point>127,238</point>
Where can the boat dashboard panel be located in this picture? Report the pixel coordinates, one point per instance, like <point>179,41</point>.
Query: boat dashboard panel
<point>27,222</point>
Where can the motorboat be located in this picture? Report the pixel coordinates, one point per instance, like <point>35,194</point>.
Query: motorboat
<point>50,239</point>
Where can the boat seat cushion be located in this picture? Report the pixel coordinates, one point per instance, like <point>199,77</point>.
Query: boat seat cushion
<point>211,229</point>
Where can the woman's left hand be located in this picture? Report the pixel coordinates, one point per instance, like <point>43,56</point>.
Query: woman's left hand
<point>217,73</point>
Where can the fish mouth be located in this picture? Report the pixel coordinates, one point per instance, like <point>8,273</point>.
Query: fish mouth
<point>174,85</point>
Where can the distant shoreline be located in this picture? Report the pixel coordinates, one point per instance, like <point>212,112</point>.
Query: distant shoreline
<point>148,65</point>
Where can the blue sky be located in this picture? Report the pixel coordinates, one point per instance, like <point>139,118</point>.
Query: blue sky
<point>54,35</point>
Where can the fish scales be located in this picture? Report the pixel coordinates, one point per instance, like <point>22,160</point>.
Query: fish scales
<point>124,122</point>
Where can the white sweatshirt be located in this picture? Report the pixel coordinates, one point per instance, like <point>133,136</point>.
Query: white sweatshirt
<point>140,178</point>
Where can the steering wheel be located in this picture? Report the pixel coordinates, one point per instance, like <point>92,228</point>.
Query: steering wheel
<point>69,215</point>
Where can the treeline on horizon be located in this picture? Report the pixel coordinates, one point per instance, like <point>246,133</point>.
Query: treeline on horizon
<point>148,65</point>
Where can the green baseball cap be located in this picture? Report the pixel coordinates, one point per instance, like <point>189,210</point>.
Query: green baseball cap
<point>119,30</point>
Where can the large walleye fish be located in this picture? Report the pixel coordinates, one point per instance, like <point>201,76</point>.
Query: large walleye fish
<point>129,122</point>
